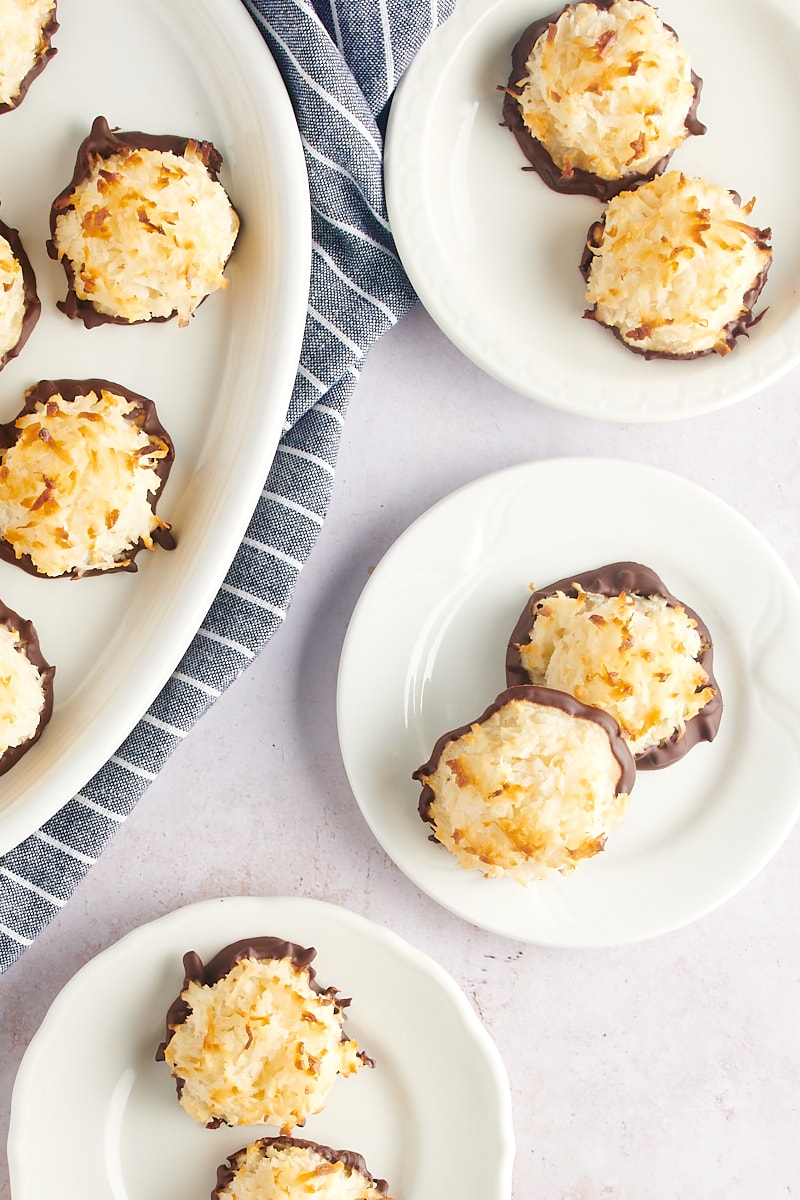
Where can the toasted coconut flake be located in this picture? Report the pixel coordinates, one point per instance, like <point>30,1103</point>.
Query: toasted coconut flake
<point>532,787</point>
<point>260,1044</point>
<point>607,89</point>
<point>674,269</point>
<point>146,228</point>
<point>285,1168</point>
<point>26,27</point>
<point>79,478</point>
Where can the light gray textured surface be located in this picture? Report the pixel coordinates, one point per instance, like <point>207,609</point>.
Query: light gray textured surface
<point>662,1070</point>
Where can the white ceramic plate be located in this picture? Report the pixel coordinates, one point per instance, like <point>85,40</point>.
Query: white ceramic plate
<point>425,653</point>
<point>494,254</point>
<point>433,1117</point>
<point>221,386</point>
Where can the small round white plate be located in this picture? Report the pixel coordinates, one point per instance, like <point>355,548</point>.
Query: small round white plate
<point>493,253</point>
<point>425,653</point>
<point>433,1117</point>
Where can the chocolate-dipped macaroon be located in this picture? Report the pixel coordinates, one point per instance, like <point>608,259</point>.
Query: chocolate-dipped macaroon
<point>600,96</point>
<point>81,472</point>
<point>26,688</point>
<point>674,268</point>
<point>253,1038</point>
<point>616,638</point>
<point>26,32</point>
<point>533,786</point>
<point>20,306</point>
<point>290,1167</point>
<point>144,229</point>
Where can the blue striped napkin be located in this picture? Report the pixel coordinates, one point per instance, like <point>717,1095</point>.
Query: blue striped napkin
<point>340,61</point>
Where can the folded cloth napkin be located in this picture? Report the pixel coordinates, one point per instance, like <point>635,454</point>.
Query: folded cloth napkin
<point>340,61</point>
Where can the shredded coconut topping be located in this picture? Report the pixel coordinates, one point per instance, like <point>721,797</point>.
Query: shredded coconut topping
<point>608,90</point>
<point>528,791</point>
<point>21,42</point>
<point>259,1046</point>
<point>76,486</point>
<point>22,692</point>
<point>634,656</point>
<point>12,298</point>
<point>148,234</point>
<point>283,1173</point>
<point>674,264</point>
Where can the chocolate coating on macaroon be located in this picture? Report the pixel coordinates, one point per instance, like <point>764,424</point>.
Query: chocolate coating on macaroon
<point>103,142</point>
<point>226,1173</point>
<point>743,323</point>
<point>33,651</point>
<point>147,419</point>
<point>221,964</point>
<point>578,181</point>
<point>545,697</point>
<point>612,580</point>
<point>275,1071</point>
<point>33,306</point>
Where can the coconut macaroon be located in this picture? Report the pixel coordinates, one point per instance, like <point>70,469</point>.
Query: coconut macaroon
<point>284,1168</point>
<point>144,230</point>
<point>600,96</point>
<point>675,267</point>
<point>81,470</point>
<point>26,31</point>
<point>533,786</point>
<point>19,303</point>
<point>253,1038</point>
<point>616,638</point>
<point>26,688</point>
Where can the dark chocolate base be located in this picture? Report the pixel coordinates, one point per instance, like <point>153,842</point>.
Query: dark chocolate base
<point>542,697</point>
<point>30,642</point>
<point>638,580</point>
<point>578,181</point>
<point>354,1162</point>
<point>144,415</point>
<point>33,306</point>
<point>103,142</point>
